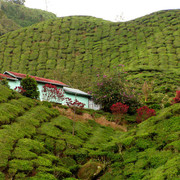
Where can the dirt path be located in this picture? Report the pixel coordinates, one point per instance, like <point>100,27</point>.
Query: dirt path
<point>85,116</point>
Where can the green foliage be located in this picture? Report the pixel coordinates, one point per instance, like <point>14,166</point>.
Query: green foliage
<point>110,90</point>
<point>36,143</point>
<point>74,49</point>
<point>24,16</point>
<point>21,165</point>
<point>90,170</point>
<point>30,86</point>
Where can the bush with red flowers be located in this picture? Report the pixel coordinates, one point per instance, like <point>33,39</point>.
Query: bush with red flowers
<point>144,113</point>
<point>119,109</point>
<point>19,89</point>
<point>177,98</point>
<point>50,92</point>
<point>74,104</point>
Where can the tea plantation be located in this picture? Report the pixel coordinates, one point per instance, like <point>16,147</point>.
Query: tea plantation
<point>36,142</point>
<point>74,49</point>
<point>14,16</point>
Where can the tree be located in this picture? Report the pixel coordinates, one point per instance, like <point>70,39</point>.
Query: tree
<point>30,86</point>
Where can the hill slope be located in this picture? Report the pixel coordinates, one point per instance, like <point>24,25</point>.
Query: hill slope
<point>73,48</point>
<point>21,16</point>
<point>6,25</point>
<point>36,142</point>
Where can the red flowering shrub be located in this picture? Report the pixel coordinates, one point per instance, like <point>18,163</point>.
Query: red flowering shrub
<point>144,113</point>
<point>75,103</point>
<point>19,89</point>
<point>177,98</point>
<point>119,110</point>
<point>50,92</point>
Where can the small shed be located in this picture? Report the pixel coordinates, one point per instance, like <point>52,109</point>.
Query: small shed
<point>14,80</point>
<point>82,97</point>
<point>40,81</point>
<point>77,94</point>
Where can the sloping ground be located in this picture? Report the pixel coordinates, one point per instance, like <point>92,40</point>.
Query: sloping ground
<point>36,142</point>
<point>6,25</point>
<point>75,49</point>
<point>16,16</point>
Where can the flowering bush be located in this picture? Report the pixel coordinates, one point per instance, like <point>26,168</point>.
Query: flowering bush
<point>119,110</point>
<point>50,92</point>
<point>74,104</point>
<point>111,89</point>
<point>19,89</point>
<point>177,98</point>
<point>144,113</point>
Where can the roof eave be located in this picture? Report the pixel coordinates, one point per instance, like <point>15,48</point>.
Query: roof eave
<point>6,72</point>
<point>88,95</point>
<point>52,83</point>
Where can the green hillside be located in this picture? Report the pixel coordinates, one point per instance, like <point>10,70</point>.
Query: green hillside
<point>74,49</point>
<point>36,142</point>
<point>6,25</point>
<point>16,16</point>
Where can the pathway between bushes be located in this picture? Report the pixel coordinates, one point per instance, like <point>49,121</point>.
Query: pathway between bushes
<point>85,116</point>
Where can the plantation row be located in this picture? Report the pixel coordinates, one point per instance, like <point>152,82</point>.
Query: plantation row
<point>36,142</point>
<point>82,44</point>
<point>23,16</point>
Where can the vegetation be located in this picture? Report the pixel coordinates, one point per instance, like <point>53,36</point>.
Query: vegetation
<point>110,90</point>
<point>75,49</point>
<point>29,86</point>
<point>15,15</point>
<point>36,143</point>
<point>6,25</point>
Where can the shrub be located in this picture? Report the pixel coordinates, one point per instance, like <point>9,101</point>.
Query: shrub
<point>144,113</point>
<point>19,89</point>
<point>111,89</point>
<point>74,104</point>
<point>50,92</point>
<point>119,110</point>
<point>4,82</point>
<point>177,98</point>
<point>30,86</point>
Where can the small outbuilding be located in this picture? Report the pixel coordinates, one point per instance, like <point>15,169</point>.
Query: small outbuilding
<point>14,80</point>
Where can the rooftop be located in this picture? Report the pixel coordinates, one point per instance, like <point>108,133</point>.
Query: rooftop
<point>7,76</point>
<point>76,91</point>
<point>38,79</point>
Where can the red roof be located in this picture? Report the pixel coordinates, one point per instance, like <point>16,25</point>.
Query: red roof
<point>7,76</point>
<point>38,79</point>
